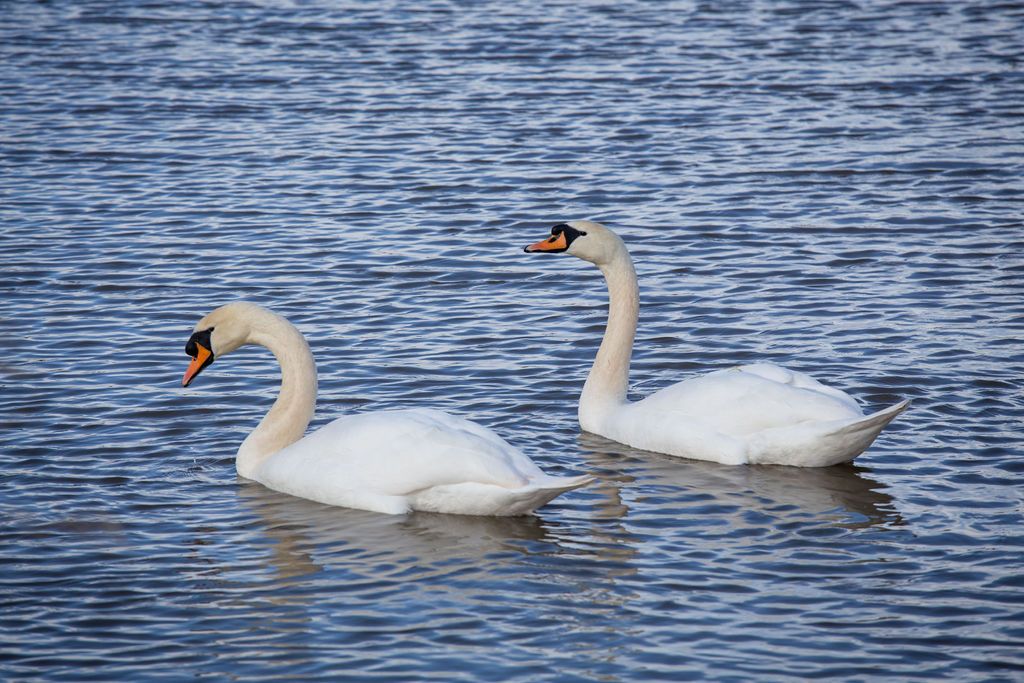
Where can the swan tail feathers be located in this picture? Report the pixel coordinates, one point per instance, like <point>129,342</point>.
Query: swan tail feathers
<point>547,489</point>
<point>823,445</point>
<point>853,438</point>
<point>473,498</point>
<point>563,484</point>
<point>876,422</point>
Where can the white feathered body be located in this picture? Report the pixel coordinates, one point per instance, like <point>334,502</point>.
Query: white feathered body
<point>418,459</point>
<point>750,414</point>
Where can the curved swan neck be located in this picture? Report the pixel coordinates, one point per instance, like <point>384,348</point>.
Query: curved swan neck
<point>608,381</point>
<point>288,418</point>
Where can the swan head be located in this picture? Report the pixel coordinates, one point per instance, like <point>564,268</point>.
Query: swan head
<point>218,334</point>
<point>587,240</point>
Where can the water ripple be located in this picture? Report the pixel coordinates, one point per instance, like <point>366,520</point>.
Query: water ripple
<point>830,185</point>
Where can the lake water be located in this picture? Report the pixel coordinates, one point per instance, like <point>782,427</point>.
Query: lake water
<point>833,186</point>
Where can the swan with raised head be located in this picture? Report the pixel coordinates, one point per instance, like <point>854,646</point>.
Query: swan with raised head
<point>390,461</point>
<point>750,414</point>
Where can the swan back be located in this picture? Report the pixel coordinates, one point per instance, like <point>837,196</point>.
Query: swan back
<point>398,452</point>
<point>423,459</point>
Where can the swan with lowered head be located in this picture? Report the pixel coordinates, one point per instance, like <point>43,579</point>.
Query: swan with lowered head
<point>750,414</point>
<point>389,461</point>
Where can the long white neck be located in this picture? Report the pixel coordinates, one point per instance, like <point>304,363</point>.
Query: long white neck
<point>290,415</point>
<point>609,377</point>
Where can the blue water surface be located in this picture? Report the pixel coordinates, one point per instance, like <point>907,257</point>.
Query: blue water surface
<point>835,186</point>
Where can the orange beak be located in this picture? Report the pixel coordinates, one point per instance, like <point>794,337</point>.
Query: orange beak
<point>553,243</point>
<point>203,358</point>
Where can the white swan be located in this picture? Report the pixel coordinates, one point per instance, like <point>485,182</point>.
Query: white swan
<point>390,461</point>
<point>751,414</point>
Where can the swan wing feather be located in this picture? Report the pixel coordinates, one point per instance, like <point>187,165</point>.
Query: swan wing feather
<point>750,398</point>
<point>402,454</point>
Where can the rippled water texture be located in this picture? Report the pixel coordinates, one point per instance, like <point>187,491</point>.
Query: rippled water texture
<point>834,186</point>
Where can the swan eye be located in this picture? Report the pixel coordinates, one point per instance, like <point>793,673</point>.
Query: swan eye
<point>201,351</point>
<point>570,233</point>
<point>199,338</point>
<point>562,235</point>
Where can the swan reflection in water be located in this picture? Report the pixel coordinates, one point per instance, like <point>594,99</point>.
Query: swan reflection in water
<point>843,493</point>
<point>309,536</point>
<point>595,554</point>
<point>331,574</point>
